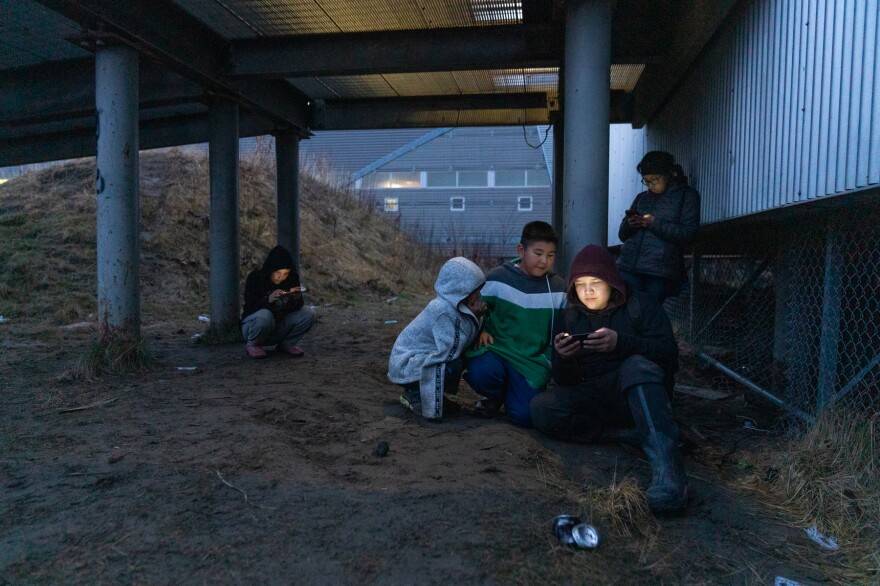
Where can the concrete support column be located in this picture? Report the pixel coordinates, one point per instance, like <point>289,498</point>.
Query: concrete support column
<point>118,212</point>
<point>587,119</point>
<point>287,192</point>
<point>225,254</point>
<point>557,179</point>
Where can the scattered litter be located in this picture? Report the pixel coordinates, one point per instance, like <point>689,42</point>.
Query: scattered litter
<point>188,369</point>
<point>3,319</point>
<point>204,318</point>
<point>391,299</point>
<point>92,406</point>
<point>750,424</point>
<point>780,581</point>
<point>826,542</point>
<point>195,336</point>
<point>701,392</point>
<point>571,531</point>
<point>80,325</point>
<point>390,321</point>
<point>381,450</point>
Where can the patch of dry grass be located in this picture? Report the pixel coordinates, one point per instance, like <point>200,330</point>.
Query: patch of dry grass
<point>830,477</point>
<point>624,505</point>
<point>48,259</point>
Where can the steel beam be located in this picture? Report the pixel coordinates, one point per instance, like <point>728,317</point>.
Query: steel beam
<point>31,95</point>
<point>697,23</point>
<point>166,32</point>
<point>409,51</point>
<point>165,132</point>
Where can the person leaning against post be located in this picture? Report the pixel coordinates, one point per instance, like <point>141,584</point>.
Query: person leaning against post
<point>426,358</point>
<point>511,363</point>
<point>657,226</point>
<point>274,310</point>
<point>613,365</point>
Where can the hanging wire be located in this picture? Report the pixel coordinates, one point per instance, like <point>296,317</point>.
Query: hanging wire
<point>546,134</point>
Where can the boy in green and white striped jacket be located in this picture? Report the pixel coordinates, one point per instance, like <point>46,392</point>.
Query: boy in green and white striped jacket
<point>511,364</point>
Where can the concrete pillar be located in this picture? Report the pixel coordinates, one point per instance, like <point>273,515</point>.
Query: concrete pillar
<point>557,180</point>
<point>118,212</point>
<point>287,192</point>
<point>587,119</point>
<point>225,254</point>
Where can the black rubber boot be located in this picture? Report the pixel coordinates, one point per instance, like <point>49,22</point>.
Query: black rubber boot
<point>653,415</point>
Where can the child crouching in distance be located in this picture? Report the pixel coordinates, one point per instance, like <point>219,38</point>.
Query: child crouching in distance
<point>274,309</point>
<point>615,355</point>
<point>426,358</point>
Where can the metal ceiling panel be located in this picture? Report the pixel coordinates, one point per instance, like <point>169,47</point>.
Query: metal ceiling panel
<point>428,84</point>
<point>31,34</point>
<point>236,19</point>
<point>423,84</point>
<point>625,77</point>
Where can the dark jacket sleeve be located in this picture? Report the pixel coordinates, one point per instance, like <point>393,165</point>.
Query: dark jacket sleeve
<point>655,340</point>
<point>681,231</point>
<point>625,230</point>
<point>565,372</point>
<point>255,297</point>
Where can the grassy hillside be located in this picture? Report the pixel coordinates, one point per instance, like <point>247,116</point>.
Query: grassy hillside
<point>48,246</point>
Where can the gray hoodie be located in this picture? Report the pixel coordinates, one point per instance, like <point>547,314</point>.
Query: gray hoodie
<point>439,334</point>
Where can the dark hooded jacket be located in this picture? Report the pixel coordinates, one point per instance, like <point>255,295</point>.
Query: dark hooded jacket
<point>641,324</point>
<point>657,250</point>
<point>258,286</point>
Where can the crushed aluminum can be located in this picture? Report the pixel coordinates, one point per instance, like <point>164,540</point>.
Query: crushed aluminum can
<point>585,536</point>
<point>562,526</point>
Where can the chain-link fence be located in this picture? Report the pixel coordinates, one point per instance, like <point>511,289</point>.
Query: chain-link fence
<point>790,311</point>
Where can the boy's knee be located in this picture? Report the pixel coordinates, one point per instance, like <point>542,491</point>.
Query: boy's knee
<point>539,410</point>
<point>638,370</point>
<point>520,417</point>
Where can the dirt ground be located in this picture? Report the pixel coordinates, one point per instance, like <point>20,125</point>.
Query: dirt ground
<point>262,472</point>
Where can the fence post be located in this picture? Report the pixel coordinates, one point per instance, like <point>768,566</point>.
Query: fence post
<point>831,313</point>
<point>782,290</point>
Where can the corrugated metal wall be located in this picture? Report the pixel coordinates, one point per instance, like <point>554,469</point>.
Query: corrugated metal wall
<point>783,108</point>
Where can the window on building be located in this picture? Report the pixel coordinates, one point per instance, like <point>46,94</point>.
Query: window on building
<point>524,203</point>
<point>473,179</point>
<point>395,180</point>
<point>391,204</point>
<point>510,178</point>
<point>456,204</point>
<point>441,179</point>
<point>538,178</point>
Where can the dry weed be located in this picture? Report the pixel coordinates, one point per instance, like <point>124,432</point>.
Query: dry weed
<point>624,504</point>
<point>48,261</point>
<point>830,478</point>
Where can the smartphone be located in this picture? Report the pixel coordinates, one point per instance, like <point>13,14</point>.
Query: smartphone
<point>581,337</point>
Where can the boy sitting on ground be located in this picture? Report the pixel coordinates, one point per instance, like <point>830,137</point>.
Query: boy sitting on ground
<point>426,358</point>
<point>512,361</point>
<point>615,355</point>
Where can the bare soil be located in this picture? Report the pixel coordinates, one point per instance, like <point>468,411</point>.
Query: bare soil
<point>262,472</point>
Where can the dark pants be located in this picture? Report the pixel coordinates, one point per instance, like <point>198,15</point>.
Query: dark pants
<point>656,287</point>
<point>583,412</point>
<point>451,378</point>
<point>494,377</point>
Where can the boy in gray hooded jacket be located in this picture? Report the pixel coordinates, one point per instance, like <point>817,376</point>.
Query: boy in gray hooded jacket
<point>426,358</point>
